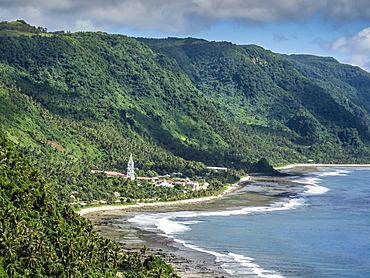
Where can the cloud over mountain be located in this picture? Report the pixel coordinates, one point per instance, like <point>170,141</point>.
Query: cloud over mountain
<point>176,16</point>
<point>357,47</point>
<point>189,17</point>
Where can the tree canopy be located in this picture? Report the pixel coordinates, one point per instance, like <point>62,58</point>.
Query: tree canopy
<point>76,102</point>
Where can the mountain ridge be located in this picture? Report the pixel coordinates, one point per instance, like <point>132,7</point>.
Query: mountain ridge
<point>73,102</point>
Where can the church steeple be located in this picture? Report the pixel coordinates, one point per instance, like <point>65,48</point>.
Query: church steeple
<point>130,168</point>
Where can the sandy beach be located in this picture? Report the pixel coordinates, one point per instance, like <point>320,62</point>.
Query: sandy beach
<point>111,221</point>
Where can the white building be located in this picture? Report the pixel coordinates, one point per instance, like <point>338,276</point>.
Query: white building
<point>130,168</point>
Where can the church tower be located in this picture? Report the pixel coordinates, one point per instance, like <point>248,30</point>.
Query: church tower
<point>130,168</point>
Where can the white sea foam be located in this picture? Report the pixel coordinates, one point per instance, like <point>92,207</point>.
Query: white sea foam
<point>171,224</point>
<point>312,185</point>
<point>235,264</point>
<point>256,269</point>
<point>163,222</point>
<point>170,227</point>
<point>315,190</point>
<point>309,180</point>
<point>336,173</point>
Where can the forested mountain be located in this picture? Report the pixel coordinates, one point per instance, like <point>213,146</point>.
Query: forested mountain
<point>257,87</point>
<point>347,84</point>
<point>41,236</point>
<point>73,102</point>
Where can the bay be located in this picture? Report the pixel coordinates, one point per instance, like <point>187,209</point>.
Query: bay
<point>320,229</point>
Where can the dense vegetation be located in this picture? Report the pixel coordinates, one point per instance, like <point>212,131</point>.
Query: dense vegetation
<point>347,84</point>
<point>41,236</point>
<point>257,87</point>
<point>19,27</point>
<point>77,102</point>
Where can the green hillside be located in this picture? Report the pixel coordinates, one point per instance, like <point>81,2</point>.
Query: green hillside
<point>76,102</point>
<point>19,28</point>
<point>258,87</point>
<point>114,84</point>
<point>41,236</point>
<point>82,101</point>
<point>347,84</point>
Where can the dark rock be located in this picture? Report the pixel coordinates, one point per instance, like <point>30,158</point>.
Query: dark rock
<point>264,167</point>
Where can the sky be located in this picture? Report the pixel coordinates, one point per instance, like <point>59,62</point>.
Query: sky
<point>334,28</point>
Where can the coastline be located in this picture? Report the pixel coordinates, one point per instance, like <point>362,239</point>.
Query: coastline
<point>188,263</point>
<point>111,222</point>
<point>320,165</point>
<point>230,189</point>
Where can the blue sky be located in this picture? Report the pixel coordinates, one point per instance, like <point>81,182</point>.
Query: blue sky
<point>335,28</point>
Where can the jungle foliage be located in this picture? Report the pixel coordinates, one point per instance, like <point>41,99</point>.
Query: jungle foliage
<point>76,102</point>
<point>257,87</point>
<point>41,236</point>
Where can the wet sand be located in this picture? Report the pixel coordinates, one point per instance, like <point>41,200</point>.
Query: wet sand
<point>187,262</point>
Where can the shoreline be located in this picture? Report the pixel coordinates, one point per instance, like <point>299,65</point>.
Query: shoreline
<point>111,222</point>
<point>230,189</point>
<point>320,165</point>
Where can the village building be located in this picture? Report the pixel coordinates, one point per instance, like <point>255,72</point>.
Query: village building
<point>164,182</point>
<point>130,168</point>
<point>180,183</point>
<point>110,173</point>
<point>158,181</point>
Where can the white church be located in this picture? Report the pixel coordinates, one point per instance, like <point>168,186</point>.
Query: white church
<point>130,168</point>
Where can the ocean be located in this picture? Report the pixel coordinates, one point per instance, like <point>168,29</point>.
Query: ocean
<point>317,225</point>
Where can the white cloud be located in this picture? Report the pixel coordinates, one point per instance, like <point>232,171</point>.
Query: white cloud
<point>177,16</point>
<point>85,25</point>
<point>357,47</point>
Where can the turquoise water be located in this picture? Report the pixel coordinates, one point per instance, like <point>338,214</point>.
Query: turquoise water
<point>323,231</point>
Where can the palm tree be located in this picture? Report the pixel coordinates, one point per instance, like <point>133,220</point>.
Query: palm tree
<point>13,268</point>
<point>158,273</point>
<point>33,261</point>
